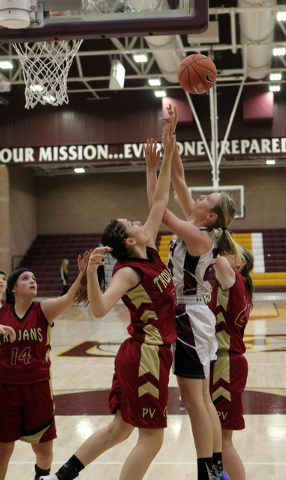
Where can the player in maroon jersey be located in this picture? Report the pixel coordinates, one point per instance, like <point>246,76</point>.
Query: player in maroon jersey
<point>26,406</point>
<point>139,391</point>
<point>231,303</point>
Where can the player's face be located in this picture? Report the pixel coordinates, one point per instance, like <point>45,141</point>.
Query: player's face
<point>26,285</point>
<point>3,284</point>
<point>136,231</point>
<point>205,203</point>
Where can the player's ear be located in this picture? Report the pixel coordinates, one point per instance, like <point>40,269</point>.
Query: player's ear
<point>212,217</point>
<point>130,242</point>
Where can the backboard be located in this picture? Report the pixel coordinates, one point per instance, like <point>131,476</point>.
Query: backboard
<point>95,19</point>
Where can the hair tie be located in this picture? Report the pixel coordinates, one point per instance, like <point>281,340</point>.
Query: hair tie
<point>224,229</point>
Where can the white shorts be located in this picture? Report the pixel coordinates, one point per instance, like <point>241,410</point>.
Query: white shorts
<point>196,346</point>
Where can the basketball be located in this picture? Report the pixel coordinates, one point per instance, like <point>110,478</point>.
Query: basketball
<point>197,73</point>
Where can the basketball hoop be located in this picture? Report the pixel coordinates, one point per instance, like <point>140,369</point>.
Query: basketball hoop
<point>45,68</point>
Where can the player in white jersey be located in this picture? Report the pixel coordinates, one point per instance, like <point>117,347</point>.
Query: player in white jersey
<point>192,252</point>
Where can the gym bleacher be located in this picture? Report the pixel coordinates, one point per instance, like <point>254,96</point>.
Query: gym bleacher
<point>45,255</point>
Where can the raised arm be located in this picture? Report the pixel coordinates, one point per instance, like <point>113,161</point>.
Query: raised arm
<point>161,194</point>
<point>225,275</point>
<point>53,307</point>
<point>123,280</point>
<point>177,172</point>
<point>152,161</point>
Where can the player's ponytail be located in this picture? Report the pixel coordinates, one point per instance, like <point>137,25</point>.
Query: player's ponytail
<point>225,212</point>
<point>80,295</point>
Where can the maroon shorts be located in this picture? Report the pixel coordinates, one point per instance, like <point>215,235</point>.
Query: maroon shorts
<point>27,413</point>
<point>140,384</point>
<point>227,383</point>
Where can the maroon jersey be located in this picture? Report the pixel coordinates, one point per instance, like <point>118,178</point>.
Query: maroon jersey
<point>231,308</point>
<point>26,360</point>
<point>152,303</point>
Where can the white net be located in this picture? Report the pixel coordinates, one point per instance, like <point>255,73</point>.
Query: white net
<point>45,68</point>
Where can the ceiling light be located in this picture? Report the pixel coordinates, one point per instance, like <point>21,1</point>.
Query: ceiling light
<point>140,58</point>
<point>117,75</point>
<point>160,93</point>
<point>36,88</point>
<point>281,16</point>
<point>154,82</point>
<point>274,88</point>
<point>275,76</point>
<point>49,99</point>
<point>79,170</point>
<point>5,64</point>
<point>279,52</point>
<point>270,162</point>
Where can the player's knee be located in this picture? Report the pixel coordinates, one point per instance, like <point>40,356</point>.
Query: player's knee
<point>119,431</point>
<point>44,457</point>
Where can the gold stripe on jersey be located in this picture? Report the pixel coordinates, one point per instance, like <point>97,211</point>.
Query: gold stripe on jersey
<point>148,388</point>
<point>149,361</point>
<point>222,298</point>
<point>219,318</point>
<point>223,339</point>
<point>152,336</point>
<point>221,392</point>
<point>48,342</point>
<point>34,438</point>
<point>138,296</point>
<point>222,369</point>
<point>148,315</point>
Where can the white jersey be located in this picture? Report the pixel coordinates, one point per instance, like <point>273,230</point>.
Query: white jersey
<point>190,274</point>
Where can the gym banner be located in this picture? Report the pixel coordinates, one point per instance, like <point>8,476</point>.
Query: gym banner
<point>131,151</point>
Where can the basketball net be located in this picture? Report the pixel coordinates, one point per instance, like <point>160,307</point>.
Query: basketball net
<point>45,69</point>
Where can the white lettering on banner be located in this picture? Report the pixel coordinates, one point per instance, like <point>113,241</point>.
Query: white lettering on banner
<point>254,147</point>
<point>45,154</point>
<point>200,147</point>
<point>72,153</point>
<point>29,154</point>
<point>102,151</point>
<point>63,154</point>
<point>55,154</point>
<point>234,147</point>
<point>96,152</point>
<point>18,158</point>
<point>244,144</point>
<point>137,149</point>
<point>127,151</point>
<point>190,149</point>
<point>275,145</point>
<point>5,155</point>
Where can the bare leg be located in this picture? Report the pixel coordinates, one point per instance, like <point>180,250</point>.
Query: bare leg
<point>139,459</point>
<point>217,431</point>
<point>44,454</point>
<point>231,460</point>
<point>116,432</point>
<point>6,450</point>
<point>191,390</point>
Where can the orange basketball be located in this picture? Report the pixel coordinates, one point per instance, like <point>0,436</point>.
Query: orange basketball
<point>197,73</point>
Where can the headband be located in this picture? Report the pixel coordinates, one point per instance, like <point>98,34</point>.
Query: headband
<point>12,279</point>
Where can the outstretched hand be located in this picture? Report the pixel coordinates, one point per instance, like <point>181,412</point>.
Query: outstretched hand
<point>151,155</point>
<point>97,258</point>
<point>83,262</point>
<point>168,137</point>
<point>172,118</point>
<point>5,330</point>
